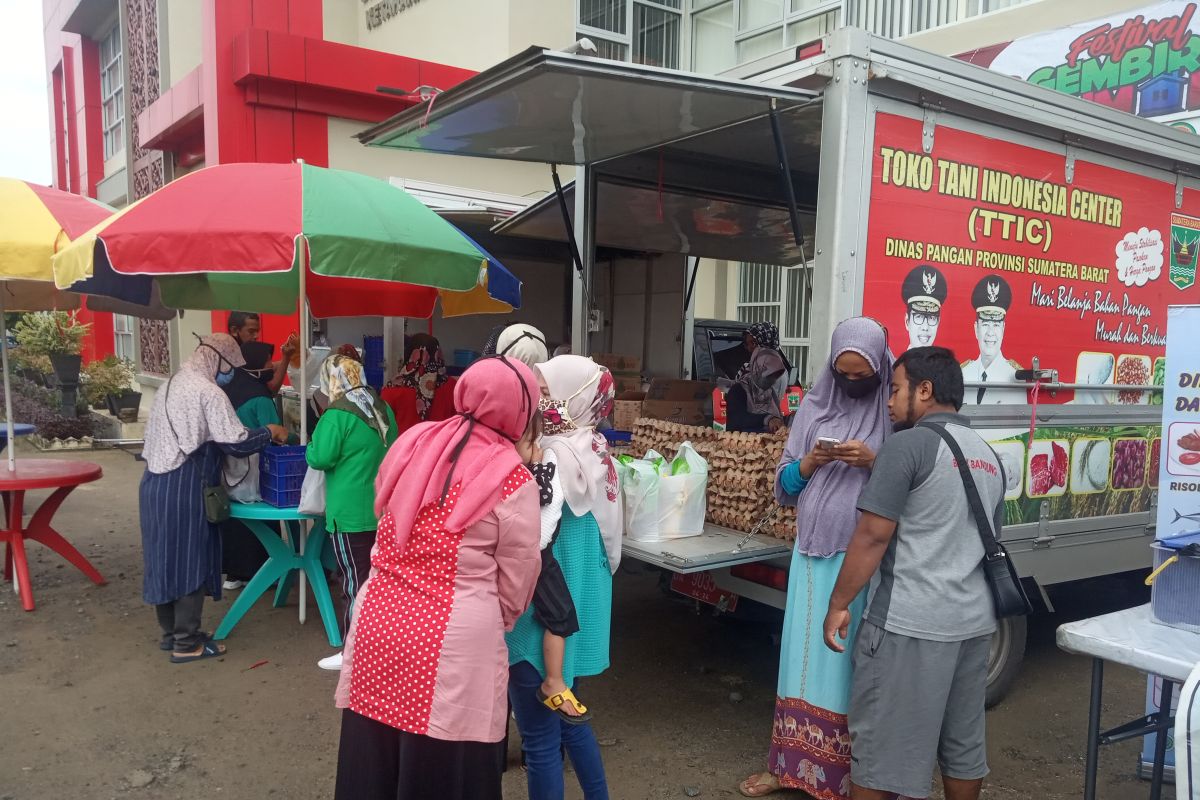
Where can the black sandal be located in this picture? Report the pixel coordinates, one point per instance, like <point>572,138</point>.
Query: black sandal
<point>209,649</point>
<point>167,644</point>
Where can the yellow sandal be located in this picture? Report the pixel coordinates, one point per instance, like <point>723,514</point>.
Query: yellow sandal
<point>556,702</point>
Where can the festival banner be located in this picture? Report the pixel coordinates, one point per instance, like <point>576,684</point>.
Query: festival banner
<point>985,247</point>
<point>1179,484</point>
<point>1145,61</point>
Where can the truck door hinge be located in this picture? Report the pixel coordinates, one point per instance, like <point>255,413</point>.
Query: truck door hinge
<point>1178,190</point>
<point>1044,537</point>
<point>928,126</point>
<point>1069,168</point>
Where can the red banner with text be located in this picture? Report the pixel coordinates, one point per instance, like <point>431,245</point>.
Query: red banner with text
<point>983,246</point>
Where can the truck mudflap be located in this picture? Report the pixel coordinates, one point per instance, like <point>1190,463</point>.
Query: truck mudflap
<point>715,548</point>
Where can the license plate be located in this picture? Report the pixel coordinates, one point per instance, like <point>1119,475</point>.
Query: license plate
<point>701,586</point>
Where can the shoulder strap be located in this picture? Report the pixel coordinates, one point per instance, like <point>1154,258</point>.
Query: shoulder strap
<point>167,414</point>
<point>991,546</point>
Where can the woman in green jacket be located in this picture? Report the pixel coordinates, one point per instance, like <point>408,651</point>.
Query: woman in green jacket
<point>348,445</point>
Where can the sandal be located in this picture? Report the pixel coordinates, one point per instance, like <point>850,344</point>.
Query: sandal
<point>759,785</point>
<point>209,649</point>
<point>556,702</point>
<point>168,644</point>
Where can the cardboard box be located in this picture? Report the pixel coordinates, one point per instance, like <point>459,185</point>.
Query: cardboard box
<point>626,410</point>
<point>628,384</point>
<point>618,362</point>
<point>685,402</point>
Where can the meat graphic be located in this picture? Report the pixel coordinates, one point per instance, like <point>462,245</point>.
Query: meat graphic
<point>1048,470</point>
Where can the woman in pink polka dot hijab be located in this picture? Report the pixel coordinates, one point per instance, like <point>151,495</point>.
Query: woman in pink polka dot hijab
<point>425,666</point>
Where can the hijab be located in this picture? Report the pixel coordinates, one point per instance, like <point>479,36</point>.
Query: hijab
<point>250,380</point>
<point>581,395</point>
<point>350,351</point>
<point>190,409</point>
<point>524,343</point>
<point>826,512</point>
<point>424,371</point>
<point>761,373</point>
<point>342,376</point>
<point>474,450</point>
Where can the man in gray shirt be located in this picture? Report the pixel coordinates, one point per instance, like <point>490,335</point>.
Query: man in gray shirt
<point>920,659</point>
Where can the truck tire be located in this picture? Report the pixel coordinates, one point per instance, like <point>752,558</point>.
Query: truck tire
<point>1004,659</point>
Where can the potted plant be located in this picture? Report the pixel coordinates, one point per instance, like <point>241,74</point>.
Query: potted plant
<point>108,383</point>
<point>59,335</point>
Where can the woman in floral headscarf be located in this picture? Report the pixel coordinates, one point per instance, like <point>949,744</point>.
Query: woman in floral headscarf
<point>577,394</point>
<point>421,390</point>
<point>348,445</point>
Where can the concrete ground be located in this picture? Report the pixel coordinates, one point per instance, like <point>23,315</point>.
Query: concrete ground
<point>90,708</point>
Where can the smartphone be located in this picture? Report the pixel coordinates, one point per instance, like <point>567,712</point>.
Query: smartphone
<point>828,442</point>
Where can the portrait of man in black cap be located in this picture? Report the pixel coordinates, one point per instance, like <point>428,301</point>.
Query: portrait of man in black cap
<point>924,291</point>
<point>991,299</point>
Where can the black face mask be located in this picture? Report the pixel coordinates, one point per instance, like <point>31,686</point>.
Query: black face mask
<point>856,389</point>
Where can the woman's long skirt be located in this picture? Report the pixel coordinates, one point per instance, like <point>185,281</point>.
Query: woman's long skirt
<point>810,742</point>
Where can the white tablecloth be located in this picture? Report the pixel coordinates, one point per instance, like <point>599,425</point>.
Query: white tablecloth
<point>1132,638</point>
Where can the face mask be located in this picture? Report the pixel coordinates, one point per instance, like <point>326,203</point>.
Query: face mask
<point>856,389</point>
<point>224,378</point>
<point>555,419</point>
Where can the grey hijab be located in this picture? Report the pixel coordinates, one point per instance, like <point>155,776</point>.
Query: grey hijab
<point>826,512</point>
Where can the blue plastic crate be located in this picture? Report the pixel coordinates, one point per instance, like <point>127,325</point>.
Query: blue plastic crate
<point>281,483</point>
<point>279,499</point>
<point>374,377</point>
<point>373,352</point>
<point>283,460</point>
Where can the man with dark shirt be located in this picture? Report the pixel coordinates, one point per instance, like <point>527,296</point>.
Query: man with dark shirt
<point>920,658</point>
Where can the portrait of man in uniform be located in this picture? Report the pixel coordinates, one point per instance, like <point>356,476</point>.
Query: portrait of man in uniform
<point>991,298</point>
<point>924,292</point>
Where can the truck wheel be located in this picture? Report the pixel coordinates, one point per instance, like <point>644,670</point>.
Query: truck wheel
<point>1004,659</point>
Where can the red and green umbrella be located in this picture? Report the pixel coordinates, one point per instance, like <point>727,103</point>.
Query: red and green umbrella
<point>236,236</point>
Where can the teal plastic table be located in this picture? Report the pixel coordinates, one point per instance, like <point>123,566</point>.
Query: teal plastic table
<point>301,554</point>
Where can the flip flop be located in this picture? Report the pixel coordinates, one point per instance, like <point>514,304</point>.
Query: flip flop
<point>210,650</point>
<point>755,786</point>
<point>556,702</point>
<point>166,645</point>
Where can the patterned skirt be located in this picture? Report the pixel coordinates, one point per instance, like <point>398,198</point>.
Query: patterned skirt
<point>810,742</point>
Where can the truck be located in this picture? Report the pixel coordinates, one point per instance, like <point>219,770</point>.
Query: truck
<point>1038,235</point>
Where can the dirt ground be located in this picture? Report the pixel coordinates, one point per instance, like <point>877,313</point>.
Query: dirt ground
<point>90,708</point>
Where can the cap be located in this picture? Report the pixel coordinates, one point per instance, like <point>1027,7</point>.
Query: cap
<point>924,289</point>
<point>991,298</point>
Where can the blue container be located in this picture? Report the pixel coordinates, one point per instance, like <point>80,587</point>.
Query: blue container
<point>280,499</point>
<point>374,377</point>
<point>1175,594</point>
<point>283,461</point>
<point>373,352</point>
<point>281,483</point>
<point>464,358</point>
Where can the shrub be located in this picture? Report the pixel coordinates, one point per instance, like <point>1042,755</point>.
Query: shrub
<point>21,358</point>
<point>50,333</point>
<point>41,407</point>
<point>112,376</point>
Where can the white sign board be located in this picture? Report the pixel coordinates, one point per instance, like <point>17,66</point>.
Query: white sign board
<point>1179,469</point>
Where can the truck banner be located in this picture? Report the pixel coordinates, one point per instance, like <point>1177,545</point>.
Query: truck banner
<point>1145,61</point>
<point>984,246</point>
<point>1179,482</point>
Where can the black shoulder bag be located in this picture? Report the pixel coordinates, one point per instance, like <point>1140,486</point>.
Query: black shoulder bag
<point>216,500</point>
<point>1008,595</point>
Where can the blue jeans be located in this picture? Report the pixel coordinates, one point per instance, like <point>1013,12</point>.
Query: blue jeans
<point>543,737</point>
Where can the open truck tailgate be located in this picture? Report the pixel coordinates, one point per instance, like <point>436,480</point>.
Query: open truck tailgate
<point>717,547</point>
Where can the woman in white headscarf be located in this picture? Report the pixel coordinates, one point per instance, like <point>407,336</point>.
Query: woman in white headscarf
<point>523,342</point>
<point>349,443</point>
<point>577,394</point>
<point>192,426</point>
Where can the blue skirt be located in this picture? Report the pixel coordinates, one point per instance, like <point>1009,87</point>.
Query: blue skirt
<point>810,741</point>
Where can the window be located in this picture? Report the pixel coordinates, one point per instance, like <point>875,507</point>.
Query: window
<point>770,293</point>
<point>712,39</point>
<point>124,335</point>
<point>112,92</point>
<point>811,29</point>
<point>755,14</point>
<point>642,31</point>
<point>730,32</point>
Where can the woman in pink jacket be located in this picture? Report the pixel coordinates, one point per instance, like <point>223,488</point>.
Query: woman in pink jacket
<point>425,668</point>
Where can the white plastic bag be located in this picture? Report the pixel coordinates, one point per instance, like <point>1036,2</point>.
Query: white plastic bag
<point>240,476</point>
<point>681,495</point>
<point>312,493</point>
<point>639,487</point>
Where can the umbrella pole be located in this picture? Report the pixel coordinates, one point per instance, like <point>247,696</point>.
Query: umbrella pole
<point>8,412</point>
<point>305,327</point>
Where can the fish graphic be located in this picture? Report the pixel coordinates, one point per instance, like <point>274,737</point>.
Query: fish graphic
<point>1194,516</point>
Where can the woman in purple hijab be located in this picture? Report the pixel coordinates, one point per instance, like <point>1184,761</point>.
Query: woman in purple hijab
<point>810,743</point>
